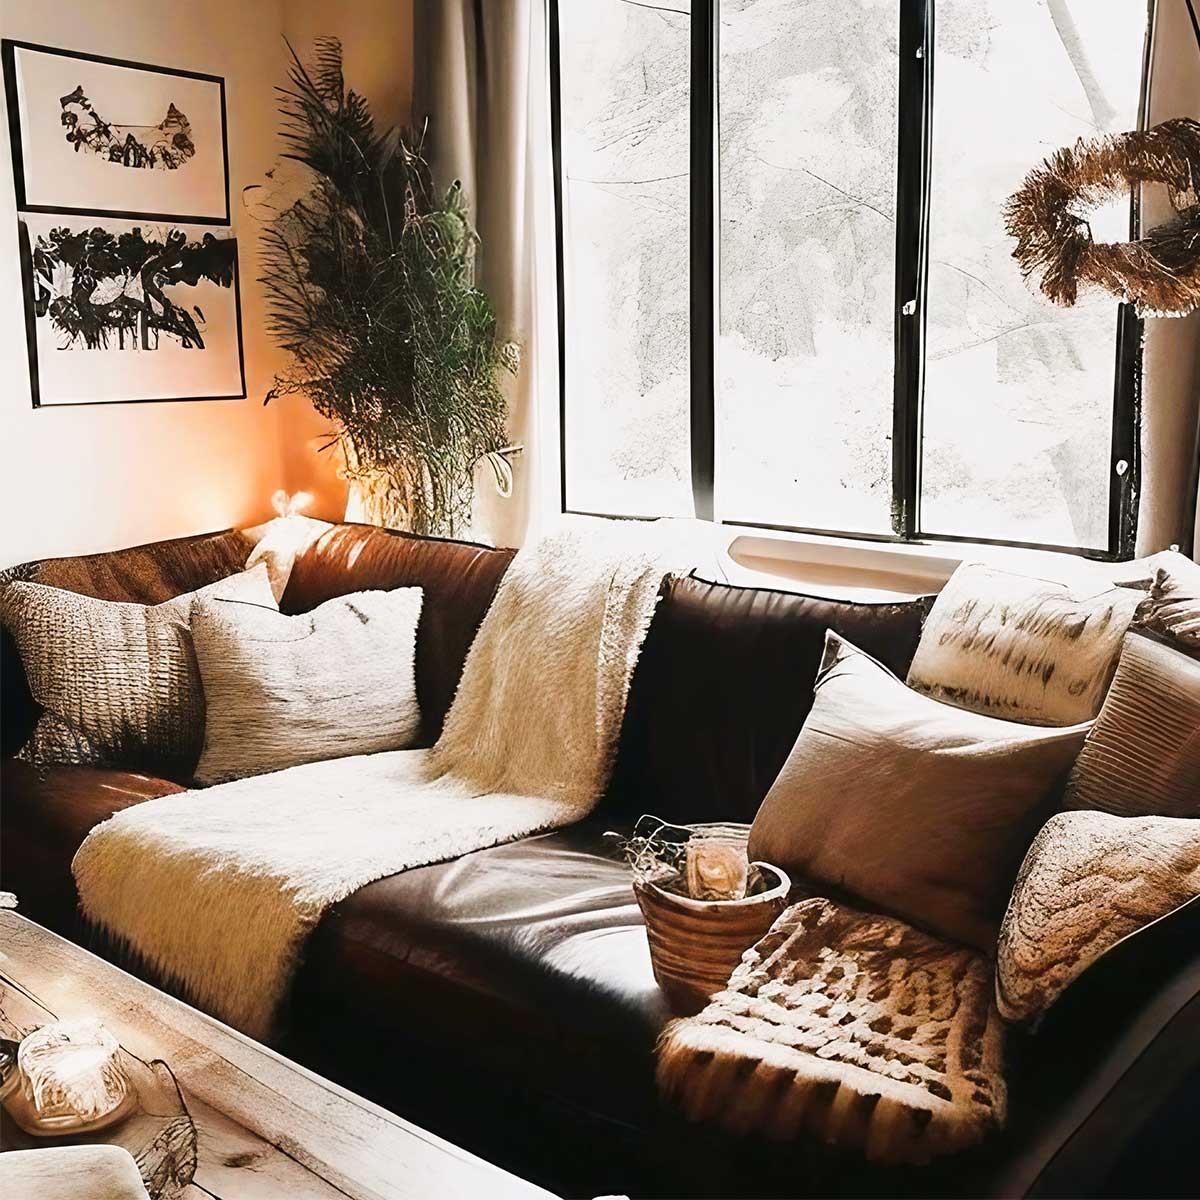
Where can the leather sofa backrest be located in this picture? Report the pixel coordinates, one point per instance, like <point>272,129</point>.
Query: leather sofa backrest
<point>459,580</point>
<point>723,685</point>
<point>147,574</point>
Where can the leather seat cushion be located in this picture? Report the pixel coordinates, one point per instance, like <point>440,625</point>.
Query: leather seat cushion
<point>45,813</point>
<point>723,685</point>
<point>459,580</point>
<point>504,953</point>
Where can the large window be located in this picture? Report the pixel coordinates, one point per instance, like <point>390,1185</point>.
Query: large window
<point>788,297</point>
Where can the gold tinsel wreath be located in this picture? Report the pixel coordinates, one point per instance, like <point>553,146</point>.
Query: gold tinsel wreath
<point>1160,273</point>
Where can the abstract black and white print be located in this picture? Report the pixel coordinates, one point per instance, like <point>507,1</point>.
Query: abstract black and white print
<point>98,135</point>
<point>165,146</point>
<point>130,311</point>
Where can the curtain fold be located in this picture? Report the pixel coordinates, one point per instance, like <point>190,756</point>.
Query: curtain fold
<point>481,79</point>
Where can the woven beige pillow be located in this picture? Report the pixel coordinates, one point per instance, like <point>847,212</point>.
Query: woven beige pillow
<point>1021,648</point>
<point>1089,881</point>
<point>336,681</point>
<point>117,682</point>
<point>913,805</point>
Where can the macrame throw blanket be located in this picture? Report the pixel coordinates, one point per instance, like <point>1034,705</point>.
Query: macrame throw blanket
<point>217,889</point>
<point>850,1027</point>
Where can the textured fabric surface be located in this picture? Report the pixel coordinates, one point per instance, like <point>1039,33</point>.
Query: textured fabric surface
<point>69,1172</point>
<point>1021,648</point>
<point>459,580</point>
<point>853,1028</point>
<point>723,686</point>
<point>117,682</point>
<point>280,542</point>
<point>917,806</point>
<point>1142,756</point>
<point>1089,881</point>
<point>286,690</point>
<point>217,890</point>
<point>146,574</point>
<point>1173,606</point>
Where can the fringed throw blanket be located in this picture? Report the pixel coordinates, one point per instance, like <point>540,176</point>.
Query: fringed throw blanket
<point>217,889</point>
<point>851,1027</point>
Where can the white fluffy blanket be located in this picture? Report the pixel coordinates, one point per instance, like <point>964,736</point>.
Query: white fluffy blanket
<point>217,889</point>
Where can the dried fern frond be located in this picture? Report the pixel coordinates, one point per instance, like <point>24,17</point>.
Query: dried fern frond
<point>1160,273</point>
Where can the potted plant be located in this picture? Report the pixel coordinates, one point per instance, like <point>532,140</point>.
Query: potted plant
<point>703,902</point>
<point>371,291</point>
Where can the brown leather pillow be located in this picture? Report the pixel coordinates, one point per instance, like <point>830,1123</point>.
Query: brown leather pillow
<point>916,806</point>
<point>723,685</point>
<point>459,580</point>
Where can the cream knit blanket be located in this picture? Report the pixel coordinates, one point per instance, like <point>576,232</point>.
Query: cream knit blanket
<point>217,889</point>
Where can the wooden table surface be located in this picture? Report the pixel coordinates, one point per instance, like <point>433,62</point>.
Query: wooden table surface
<point>267,1128</point>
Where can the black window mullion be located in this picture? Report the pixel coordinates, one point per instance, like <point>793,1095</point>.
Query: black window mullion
<point>703,235</point>
<point>912,236</point>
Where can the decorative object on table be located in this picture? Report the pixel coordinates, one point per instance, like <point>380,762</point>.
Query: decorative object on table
<point>696,942</point>
<point>119,310</point>
<point>101,135</point>
<point>1090,881</point>
<point>72,1080</point>
<point>370,281</point>
<point>1160,272</point>
<point>69,1173</point>
<point>151,1121</point>
<point>851,1027</point>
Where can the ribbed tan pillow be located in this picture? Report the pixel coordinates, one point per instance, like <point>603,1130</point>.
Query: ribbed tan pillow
<point>1022,648</point>
<point>117,682</point>
<point>1089,881</point>
<point>913,805</point>
<point>336,681</point>
<point>1142,757</point>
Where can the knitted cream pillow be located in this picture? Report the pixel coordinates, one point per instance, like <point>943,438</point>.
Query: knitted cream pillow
<point>1173,606</point>
<point>117,682</point>
<point>1089,881</point>
<point>1021,648</point>
<point>336,681</point>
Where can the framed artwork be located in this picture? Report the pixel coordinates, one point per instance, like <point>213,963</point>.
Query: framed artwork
<point>119,310</point>
<point>101,135</point>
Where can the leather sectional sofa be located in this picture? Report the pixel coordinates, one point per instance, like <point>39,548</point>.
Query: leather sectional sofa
<point>505,999</point>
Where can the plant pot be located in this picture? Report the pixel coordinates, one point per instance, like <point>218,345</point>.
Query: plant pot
<point>695,944</point>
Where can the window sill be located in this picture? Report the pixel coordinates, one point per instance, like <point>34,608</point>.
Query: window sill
<point>869,570</point>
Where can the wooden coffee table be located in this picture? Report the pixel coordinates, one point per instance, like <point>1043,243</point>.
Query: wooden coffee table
<point>265,1128</point>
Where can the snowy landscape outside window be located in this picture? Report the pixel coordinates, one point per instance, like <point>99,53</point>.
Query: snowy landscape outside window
<point>1016,411</point>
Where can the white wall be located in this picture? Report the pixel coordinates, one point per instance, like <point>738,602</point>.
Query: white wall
<point>97,477</point>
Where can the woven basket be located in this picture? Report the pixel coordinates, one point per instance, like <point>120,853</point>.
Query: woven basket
<point>695,944</point>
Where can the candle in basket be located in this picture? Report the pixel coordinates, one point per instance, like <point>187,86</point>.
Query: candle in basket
<point>716,868</point>
<point>70,1071</point>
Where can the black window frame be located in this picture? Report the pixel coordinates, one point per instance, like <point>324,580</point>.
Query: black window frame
<point>913,204</point>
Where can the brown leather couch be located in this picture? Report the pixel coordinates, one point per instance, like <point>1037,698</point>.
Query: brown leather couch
<point>505,999</point>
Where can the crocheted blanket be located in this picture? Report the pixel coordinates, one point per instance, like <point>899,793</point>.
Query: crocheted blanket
<point>851,1027</point>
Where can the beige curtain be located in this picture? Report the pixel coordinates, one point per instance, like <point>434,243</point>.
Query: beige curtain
<point>481,77</point>
<point>1167,513</point>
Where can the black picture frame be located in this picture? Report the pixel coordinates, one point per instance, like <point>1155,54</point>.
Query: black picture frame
<point>8,57</point>
<point>31,339</point>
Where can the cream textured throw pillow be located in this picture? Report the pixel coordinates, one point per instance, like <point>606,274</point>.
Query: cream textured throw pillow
<point>1021,648</point>
<point>913,805</point>
<point>1173,606</point>
<point>1089,881</point>
<point>117,682</point>
<point>336,681</point>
